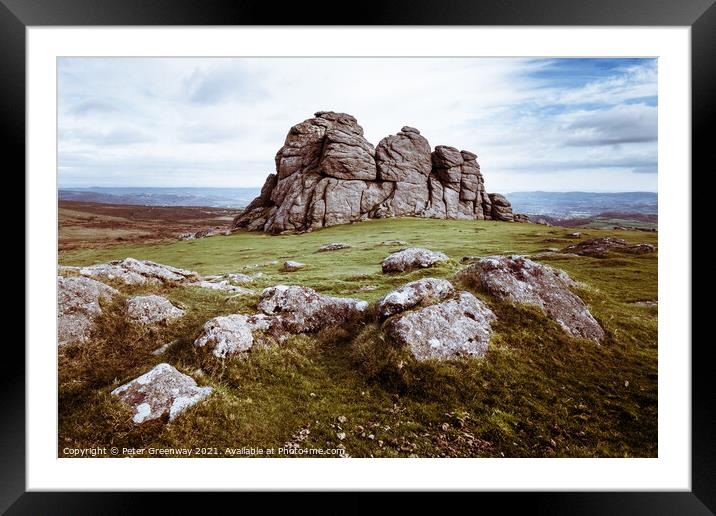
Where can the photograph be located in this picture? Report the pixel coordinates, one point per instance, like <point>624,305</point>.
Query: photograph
<point>357,257</point>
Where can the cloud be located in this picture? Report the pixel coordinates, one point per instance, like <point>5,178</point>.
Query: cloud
<point>89,106</point>
<point>106,137</point>
<point>206,132</point>
<point>650,168</point>
<point>220,121</point>
<point>611,86</point>
<point>634,123</point>
<point>224,81</point>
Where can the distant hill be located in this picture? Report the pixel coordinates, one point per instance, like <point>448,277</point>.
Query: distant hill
<point>577,205</point>
<point>210,197</point>
<point>561,208</point>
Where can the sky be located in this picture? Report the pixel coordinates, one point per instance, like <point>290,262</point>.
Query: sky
<point>535,124</point>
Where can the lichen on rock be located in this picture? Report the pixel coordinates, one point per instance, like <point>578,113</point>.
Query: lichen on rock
<point>138,272</point>
<point>458,327</point>
<point>413,294</point>
<point>152,309</point>
<point>78,304</point>
<point>412,258</point>
<point>161,393</point>
<point>303,310</point>
<point>520,280</point>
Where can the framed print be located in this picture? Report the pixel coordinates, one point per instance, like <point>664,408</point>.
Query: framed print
<point>433,250</point>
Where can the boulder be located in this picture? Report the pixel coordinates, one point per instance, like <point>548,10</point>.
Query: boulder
<point>139,272</point>
<point>291,266</point>
<point>451,329</point>
<point>208,232</point>
<point>303,310</point>
<point>422,291</point>
<point>162,393</point>
<point>232,334</point>
<point>223,285</point>
<point>596,246</point>
<point>520,280</point>
<point>152,309</point>
<point>393,242</point>
<point>412,258</point>
<point>234,278</point>
<point>78,303</point>
<point>335,246</point>
<point>576,234</point>
<point>641,248</point>
<point>327,173</point>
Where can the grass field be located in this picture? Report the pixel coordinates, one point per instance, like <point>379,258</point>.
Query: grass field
<point>611,222</point>
<point>537,393</point>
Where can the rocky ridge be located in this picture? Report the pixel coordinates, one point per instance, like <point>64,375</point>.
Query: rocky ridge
<point>327,173</point>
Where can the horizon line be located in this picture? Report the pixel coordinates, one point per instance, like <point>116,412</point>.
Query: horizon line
<point>259,188</point>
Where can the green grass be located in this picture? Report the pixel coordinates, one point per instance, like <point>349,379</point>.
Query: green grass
<point>538,392</point>
<point>609,223</point>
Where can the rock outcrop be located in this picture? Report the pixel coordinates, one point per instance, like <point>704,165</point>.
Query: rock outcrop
<point>641,248</point>
<point>222,285</point>
<point>152,309</point>
<point>286,310</point>
<point>162,393</point>
<point>422,291</point>
<point>218,230</point>
<point>303,310</point>
<point>335,246</point>
<point>234,278</point>
<point>144,272</point>
<point>327,173</point>
<point>291,266</point>
<point>521,280</point>
<point>412,258</point>
<point>454,328</point>
<point>78,304</point>
<point>232,334</point>
<point>599,247</point>
<point>138,272</point>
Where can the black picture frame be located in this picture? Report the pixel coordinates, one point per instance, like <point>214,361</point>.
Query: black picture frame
<point>700,15</point>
